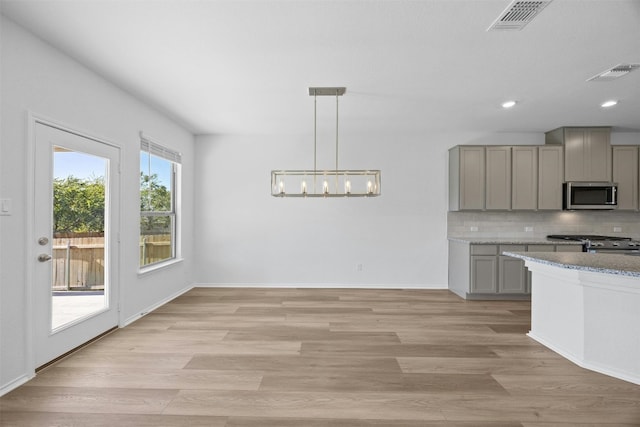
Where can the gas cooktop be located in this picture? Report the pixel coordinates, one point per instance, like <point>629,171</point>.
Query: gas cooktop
<point>597,243</point>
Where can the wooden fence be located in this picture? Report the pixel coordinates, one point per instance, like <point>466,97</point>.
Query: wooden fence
<point>78,260</point>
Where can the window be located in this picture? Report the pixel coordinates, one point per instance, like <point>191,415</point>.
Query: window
<point>159,175</point>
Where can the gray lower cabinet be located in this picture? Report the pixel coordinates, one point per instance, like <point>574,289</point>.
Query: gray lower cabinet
<point>484,274</point>
<point>479,271</point>
<point>492,273</point>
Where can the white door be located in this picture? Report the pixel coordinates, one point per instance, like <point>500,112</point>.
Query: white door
<point>76,201</point>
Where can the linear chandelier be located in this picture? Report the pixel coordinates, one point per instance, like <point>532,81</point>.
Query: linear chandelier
<point>325,182</point>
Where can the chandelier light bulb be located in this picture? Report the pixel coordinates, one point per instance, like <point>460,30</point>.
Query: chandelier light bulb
<point>347,187</point>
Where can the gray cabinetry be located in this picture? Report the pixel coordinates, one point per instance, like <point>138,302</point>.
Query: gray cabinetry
<point>512,277</point>
<point>524,178</point>
<point>466,178</point>
<point>587,155</point>
<point>498,178</point>
<point>480,271</point>
<point>625,173</point>
<point>484,277</point>
<point>484,272</point>
<point>550,177</point>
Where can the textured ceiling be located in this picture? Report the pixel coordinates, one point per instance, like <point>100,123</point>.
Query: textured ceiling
<point>244,67</point>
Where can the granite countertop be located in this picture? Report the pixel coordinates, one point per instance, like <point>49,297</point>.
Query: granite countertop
<point>620,264</point>
<point>512,241</point>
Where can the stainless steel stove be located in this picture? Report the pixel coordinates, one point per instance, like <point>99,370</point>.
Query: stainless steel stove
<point>601,244</point>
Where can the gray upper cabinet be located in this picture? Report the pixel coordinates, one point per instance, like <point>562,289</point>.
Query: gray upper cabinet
<point>524,178</point>
<point>587,155</point>
<point>466,178</point>
<point>502,178</point>
<point>550,177</point>
<point>625,173</point>
<point>498,178</point>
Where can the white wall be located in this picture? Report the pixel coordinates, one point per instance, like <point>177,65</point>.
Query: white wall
<point>38,78</point>
<point>246,236</point>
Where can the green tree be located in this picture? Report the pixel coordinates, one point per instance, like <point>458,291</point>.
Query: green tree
<point>154,197</point>
<point>78,205</point>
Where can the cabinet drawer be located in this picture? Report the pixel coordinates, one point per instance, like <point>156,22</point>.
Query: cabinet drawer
<point>541,248</point>
<point>512,248</point>
<point>484,250</point>
<point>569,248</point>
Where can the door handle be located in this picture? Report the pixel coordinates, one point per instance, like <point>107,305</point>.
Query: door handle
<point>44,257</point>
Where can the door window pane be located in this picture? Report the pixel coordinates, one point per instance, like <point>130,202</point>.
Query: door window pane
<point>78,259</point>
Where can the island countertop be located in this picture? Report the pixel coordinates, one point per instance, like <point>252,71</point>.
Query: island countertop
<point>620,264</point>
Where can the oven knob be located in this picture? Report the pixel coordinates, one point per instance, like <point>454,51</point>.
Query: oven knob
<point>615,244</point>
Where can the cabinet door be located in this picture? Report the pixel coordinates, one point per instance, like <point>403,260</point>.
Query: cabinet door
<point>472,173</point>
<point>625,173</point>
<point>575,155</point>
<point>598,167</point>
<point>511,275</point>
<point>550,173</point>
<point>587,154</point>
<point>484,277</point>
<point>524,178</point>
<point>498,178</point>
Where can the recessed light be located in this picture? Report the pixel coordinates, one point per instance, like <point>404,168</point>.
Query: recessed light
<point>608,104</point>
<point>508,104</point>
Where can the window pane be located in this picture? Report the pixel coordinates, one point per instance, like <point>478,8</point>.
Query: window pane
<point>156,238</point>
<point>155,184</point>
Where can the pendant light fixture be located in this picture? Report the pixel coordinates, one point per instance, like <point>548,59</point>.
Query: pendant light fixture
<point>325,182</point>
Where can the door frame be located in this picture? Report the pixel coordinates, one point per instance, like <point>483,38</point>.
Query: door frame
<point>31,251</point>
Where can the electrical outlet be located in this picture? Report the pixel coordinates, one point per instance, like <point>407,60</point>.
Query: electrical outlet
<point>473,228</point>
<point>359,267</point>
<point>617,229</point>
<point>5,207</point>
<point>528,229</point>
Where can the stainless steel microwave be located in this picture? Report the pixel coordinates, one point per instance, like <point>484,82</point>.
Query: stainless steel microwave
<point>589,195</point>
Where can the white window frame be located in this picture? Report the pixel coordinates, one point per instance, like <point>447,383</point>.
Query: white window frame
<point>153,148</point>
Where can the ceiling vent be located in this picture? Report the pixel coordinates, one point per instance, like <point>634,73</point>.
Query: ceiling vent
<point>518,14</point>
<point>614,73</point>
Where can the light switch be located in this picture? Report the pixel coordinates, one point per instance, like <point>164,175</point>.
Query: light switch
<point>5,207</point>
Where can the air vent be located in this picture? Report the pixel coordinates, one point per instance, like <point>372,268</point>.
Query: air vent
<point>518,14</point>
<point>614,73</point>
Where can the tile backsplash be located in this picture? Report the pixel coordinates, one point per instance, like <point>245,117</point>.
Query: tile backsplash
<point>540,224</point>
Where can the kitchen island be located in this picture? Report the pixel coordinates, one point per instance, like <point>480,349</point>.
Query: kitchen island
<point>586,307</point>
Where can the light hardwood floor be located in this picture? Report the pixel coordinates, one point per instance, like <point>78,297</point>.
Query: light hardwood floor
<point>319,358</point>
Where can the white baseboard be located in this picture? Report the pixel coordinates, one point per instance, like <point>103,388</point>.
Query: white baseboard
<point>152,307</point>
<point>318,286</point>
<point>12,385</point>
<point>606,370</point>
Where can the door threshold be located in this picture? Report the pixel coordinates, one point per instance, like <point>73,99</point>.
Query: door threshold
<point>73,350</point>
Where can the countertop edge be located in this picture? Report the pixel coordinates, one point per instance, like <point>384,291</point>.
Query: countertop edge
<point>576,261</point>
